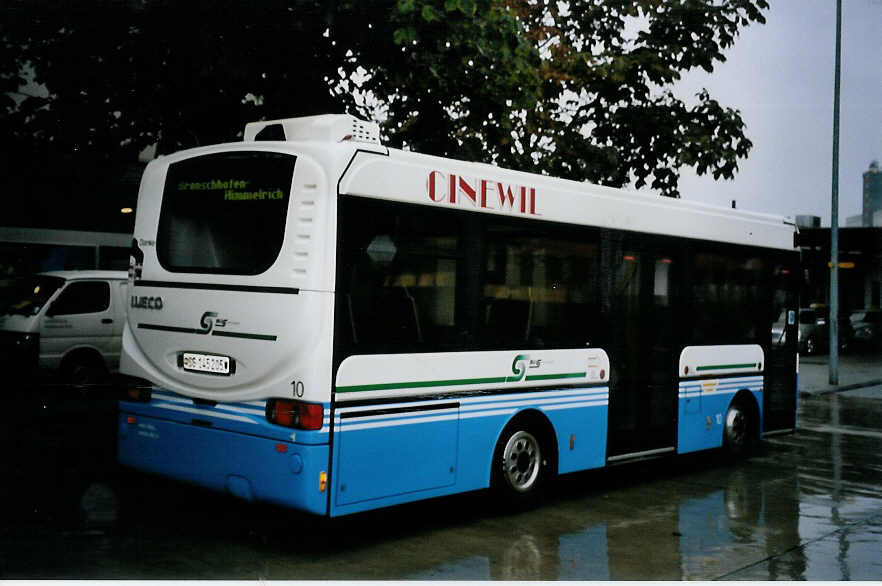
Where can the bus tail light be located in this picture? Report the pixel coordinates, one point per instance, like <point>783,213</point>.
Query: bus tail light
<point>138,394</point>
<point>295,414</point>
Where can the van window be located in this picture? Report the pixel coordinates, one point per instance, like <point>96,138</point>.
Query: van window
<point>26,296</point>
<point>82,297</point>
<point>225,213</point>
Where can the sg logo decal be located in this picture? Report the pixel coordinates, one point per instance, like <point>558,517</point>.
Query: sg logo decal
<point>210,320</point>
<point>518,368</point>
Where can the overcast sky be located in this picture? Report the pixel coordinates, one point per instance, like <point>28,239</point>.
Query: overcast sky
<point>780,76</point>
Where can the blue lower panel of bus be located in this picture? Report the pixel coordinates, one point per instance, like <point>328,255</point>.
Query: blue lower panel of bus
<point>249,467</point>
<point>703,407</point>
<point>394,453</point>
<point>382,456</point>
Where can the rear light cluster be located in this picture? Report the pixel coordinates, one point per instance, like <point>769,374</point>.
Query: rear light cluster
<point>295,414</point>
<point>138,394</point>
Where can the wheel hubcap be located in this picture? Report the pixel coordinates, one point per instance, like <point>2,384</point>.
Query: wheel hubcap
<point>736,427</point>
<point>520,461</point>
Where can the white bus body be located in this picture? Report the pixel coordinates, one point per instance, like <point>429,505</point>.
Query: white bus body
<point>237,319</point>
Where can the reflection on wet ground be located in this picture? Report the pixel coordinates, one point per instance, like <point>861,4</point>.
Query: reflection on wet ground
<point>807,506</point>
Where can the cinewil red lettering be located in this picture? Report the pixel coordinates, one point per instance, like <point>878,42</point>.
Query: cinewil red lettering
<point>483,193</point>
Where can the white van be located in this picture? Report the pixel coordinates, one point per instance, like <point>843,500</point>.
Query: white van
<point>64,322</point>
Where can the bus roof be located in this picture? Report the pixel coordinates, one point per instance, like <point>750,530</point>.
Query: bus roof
<point>429,180</point>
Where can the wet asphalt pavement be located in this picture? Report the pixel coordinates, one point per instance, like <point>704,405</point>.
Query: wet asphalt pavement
<point>805,506</point>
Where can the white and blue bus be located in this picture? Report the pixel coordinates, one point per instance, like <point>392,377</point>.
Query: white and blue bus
<point>336,326</point>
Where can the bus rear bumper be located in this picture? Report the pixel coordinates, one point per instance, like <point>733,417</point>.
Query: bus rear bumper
<point>249,467</point>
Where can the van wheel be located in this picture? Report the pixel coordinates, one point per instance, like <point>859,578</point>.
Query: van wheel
<point>520,466</point>
<point>738,431</point>
<point>84,371</point>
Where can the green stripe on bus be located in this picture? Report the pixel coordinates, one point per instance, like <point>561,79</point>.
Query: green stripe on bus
<point>453,382</point>
<point>420,384</point>
<point>243,335</point>
<point>556,376</point>
<point>727,366</point>
<point>161,328</point>
<point>204,332</point>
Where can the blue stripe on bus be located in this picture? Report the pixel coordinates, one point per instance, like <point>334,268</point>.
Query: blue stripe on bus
<point>469,408</point>
<point>242,417</point>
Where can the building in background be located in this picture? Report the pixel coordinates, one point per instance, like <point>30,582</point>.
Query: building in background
<point>860,253</point>
<point>872,195</point>
<point>31,250</point>
<point>805,221</point>
<point>860,268</point>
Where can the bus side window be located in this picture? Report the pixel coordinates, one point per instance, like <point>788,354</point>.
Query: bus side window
<point>399,278</point>
<point>727,288</point>
<point>541,289</point>
<point>507,320</point>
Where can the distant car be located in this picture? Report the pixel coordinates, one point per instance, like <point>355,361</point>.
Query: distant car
<point>866,327</point>
<point>813,331</point>
<point>64,322</point>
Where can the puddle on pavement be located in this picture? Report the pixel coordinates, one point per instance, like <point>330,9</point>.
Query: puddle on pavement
<point>807,506</point>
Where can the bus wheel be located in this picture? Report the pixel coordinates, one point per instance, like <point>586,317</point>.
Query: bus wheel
<point>738,430</point>
<point>520,466</point>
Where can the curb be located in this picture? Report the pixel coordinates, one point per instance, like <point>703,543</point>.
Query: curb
<point>832,390</point>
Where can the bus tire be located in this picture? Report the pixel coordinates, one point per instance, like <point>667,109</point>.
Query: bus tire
<point>739,429</point>
<point>521,464</point>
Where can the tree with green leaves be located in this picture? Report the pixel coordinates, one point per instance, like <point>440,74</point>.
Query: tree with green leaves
<point>583,90</point>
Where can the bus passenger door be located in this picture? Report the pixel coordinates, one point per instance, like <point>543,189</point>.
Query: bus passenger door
<point>779,396</point>
<point>644,347</point>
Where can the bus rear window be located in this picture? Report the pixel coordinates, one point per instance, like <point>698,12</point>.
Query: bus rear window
<point>225,213</point>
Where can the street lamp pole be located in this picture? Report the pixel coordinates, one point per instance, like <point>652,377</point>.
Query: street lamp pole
<point>833,316</point>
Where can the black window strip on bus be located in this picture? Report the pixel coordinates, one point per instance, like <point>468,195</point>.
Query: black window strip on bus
<point>218,287</point>
<point>394,410</point>
<point>702,377</point>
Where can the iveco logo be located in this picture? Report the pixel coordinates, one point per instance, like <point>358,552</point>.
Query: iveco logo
<point>147,302</point>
